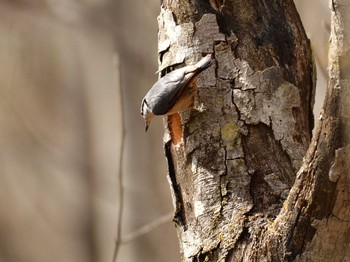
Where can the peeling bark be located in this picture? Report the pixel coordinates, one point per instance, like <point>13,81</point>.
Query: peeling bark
<point>233,159</point>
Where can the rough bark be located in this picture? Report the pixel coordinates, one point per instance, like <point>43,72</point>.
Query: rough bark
<point>232,159</point>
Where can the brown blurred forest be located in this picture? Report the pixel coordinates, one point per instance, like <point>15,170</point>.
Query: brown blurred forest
<point>69,71</point>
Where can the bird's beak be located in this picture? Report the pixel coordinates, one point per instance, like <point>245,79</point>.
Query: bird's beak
<point>148,119</point>
<point>147,124</point>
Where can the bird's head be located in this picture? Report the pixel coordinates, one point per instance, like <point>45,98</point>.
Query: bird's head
<point>146,114</point>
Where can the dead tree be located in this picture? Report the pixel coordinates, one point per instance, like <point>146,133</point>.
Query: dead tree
<point>247,181</point>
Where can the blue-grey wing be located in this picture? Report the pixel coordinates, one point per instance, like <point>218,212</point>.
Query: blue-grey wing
<point>163,94</point>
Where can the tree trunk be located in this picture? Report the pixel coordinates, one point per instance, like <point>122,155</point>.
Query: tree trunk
<point>232,161</point>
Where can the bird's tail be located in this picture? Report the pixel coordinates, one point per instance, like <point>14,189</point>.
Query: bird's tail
<point>204,63</point>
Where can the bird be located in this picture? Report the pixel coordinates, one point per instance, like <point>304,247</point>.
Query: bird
<point>174,92</point>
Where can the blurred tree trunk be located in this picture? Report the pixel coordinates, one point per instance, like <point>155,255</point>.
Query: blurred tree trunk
<point>233,160</point>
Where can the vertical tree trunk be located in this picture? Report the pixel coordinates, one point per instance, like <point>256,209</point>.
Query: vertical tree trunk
<point>232,160</point>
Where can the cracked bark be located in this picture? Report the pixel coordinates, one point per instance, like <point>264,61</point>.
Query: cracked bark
<point>233,159</point>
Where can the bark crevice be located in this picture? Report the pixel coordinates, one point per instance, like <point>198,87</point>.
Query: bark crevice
<point>179,216</point>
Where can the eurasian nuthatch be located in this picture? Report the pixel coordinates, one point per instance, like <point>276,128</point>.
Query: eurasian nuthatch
<point>174,92</point>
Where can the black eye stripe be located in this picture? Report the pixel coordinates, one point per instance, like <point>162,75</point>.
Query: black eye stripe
<point>144,102</point>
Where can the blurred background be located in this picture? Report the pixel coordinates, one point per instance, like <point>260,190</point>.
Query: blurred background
<point>72,76</point>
